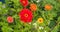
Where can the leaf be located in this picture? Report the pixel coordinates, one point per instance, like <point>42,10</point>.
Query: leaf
<point>52,24</point>
<point>55,28</point>
<point>6,29</point>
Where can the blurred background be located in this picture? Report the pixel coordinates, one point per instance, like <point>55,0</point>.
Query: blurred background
<point>50,16</point>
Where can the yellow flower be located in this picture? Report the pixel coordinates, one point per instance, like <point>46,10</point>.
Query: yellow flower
<point>40,20</point>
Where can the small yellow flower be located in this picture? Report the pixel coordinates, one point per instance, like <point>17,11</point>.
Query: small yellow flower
<point>40,20</point>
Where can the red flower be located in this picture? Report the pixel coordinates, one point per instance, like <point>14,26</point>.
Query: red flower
<point>10,19</point>
<point>24,2</point>
<point>26,15</point>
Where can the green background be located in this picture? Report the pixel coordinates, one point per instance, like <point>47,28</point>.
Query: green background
<point>13,7</point>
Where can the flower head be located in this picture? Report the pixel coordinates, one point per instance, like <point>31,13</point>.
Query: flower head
<point>10,19</point>
<point>26,15</point>
<point>33,7</point>
<point>48,7</point>
<point>24,2</point>
<point>40,20</point>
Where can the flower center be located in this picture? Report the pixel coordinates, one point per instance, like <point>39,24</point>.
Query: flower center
<point>23,1</point>
<point>26,15</point>
<point>40,20</point>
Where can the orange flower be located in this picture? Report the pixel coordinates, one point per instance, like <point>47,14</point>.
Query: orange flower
<point>48,7</point>
<point>40,20</point>
<point>33,7</point>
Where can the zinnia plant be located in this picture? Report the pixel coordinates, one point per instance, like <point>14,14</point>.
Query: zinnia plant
<point>24,2</point>
<point>33,7</point>
<point>26,15</point>
<point>10,19</point>
<point>29,15</point>
<point>48,7</point>
<point>40,20</point>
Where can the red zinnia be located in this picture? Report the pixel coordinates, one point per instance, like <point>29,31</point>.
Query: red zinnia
<point>26,15</point>
<point>10,19</point>
<point>24,2</point>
